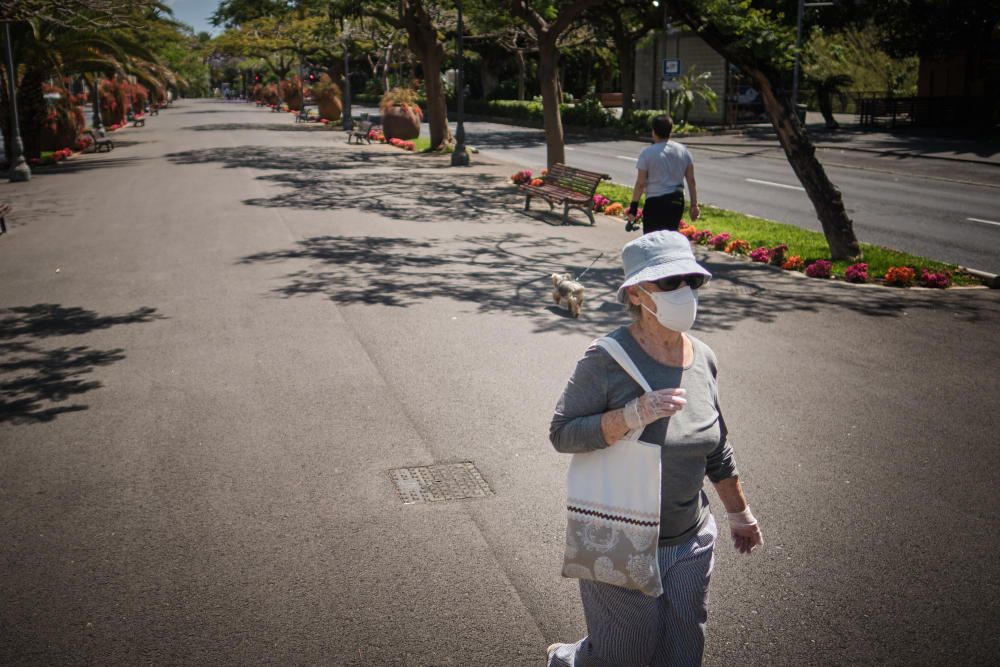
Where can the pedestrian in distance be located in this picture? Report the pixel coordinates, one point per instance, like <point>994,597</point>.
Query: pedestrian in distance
<point>662,170</point>
<point>603,404</point>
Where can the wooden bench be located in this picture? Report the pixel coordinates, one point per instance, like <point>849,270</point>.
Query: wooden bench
<point>569,186</point>
<point>611,99</point>
<point>4,210</point>
<point>100,143</point>
<point>360,131</point>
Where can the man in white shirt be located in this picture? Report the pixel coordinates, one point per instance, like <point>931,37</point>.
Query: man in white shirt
<point>663,168</point>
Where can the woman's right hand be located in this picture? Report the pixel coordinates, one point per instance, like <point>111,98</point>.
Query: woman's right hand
<point>649,407</point>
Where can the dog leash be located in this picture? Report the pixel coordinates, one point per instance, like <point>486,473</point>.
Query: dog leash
<point>589,267</point>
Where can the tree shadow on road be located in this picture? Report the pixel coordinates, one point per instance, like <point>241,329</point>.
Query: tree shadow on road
<point>396,186</point>
<point>285,158</point>
<point>509,273</point>
<point>269,127</point>
<point>37,380</point>
<point>77,165</point>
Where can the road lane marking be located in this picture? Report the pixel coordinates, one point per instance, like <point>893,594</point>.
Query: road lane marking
<point>986,222</point>
<point>625,157</point>
<point>777,185</point>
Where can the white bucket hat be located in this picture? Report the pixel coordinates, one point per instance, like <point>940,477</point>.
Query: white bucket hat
<point>658,255</point>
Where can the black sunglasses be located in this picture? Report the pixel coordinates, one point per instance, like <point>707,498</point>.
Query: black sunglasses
<point>670,283</point>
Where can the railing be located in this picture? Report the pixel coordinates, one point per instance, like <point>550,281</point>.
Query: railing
<point>895,112</point>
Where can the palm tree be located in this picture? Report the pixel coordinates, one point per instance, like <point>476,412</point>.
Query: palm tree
<point>692,87</point>
<point>48,49</point>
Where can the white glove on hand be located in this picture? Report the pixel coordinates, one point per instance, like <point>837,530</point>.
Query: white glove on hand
<point>646,409</point>
<point>745,531</point>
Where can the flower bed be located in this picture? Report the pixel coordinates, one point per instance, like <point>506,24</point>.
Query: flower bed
<point>758,243</point>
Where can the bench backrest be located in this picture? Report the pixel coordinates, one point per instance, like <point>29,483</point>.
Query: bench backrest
<point>362,126</point>
<point>571,178</point>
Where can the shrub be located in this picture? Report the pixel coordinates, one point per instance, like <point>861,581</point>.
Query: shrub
<point>738,247</point>
<point>857,273</point>
<point>819,269</point>
<point>935,280</point>
<point>760,254</point>
<point>590,112</point>
<point>899,276</point>
<point>793,263</point>
<point>719,241</point>
<point>520,177</point>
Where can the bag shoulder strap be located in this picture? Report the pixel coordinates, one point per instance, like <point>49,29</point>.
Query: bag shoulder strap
<point>618,353</point>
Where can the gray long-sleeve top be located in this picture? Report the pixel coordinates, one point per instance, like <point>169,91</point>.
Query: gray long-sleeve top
<point>693,442</point>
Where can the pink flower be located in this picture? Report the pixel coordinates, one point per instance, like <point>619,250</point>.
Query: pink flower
<point>819,269</point>
<point>857,273</point>
<point>935,280</point>
<point>719,241</point>
<point>760,254</point>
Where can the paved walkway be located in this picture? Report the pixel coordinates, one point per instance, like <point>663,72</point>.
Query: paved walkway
<point>218,341</point>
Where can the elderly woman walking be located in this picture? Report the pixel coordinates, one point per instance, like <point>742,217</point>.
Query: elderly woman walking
<point>602,403</point>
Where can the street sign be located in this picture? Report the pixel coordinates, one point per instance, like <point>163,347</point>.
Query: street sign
<point>670,85</point>
<point>671,68</point>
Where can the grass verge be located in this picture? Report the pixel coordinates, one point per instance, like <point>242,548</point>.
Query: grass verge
<point>809,245</point>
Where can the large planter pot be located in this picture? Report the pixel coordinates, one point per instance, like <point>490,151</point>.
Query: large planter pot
<point>330,108</point>
<point>400,123</point>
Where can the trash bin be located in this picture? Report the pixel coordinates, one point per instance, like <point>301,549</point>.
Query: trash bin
<point>800,111</point>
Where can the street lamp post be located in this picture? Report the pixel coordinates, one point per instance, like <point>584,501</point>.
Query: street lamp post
<point>798,46</point>
<point>460,156</point>
<point>19,169</point>
<point>302,90</point>
<point>346,111</point>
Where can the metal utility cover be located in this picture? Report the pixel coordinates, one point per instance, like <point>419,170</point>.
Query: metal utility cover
<point>451,481</point>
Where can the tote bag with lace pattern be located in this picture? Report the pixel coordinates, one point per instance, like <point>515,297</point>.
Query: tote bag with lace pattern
<point>613,506</point>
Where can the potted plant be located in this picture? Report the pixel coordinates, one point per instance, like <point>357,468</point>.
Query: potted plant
<point>401,114</point>
<point>327,96</point>
<point>291,93</point>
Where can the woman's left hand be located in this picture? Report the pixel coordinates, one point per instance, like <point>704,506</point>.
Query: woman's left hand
<point>745,531</point>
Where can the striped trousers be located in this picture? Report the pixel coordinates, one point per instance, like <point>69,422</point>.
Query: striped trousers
<point>626,628</point>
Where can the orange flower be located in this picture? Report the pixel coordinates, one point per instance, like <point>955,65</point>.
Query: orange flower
<point>614,209</point>
<point>899,276</point>
<point>793,263</point>
<point>537,181</point>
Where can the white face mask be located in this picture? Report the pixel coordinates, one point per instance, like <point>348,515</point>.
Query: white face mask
<point>675,310</point>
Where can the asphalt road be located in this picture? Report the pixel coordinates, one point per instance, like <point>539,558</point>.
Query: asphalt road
<point>938,209</point>
<point>218,340</point>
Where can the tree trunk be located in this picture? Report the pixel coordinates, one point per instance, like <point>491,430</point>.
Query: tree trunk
<point>422,38</point>
<point>31,111</point>
<point>489,77</point>
<point>824,195</point>
<point>548,81</point>
<point>825,103</point>
<point>520,74</point>
<point>437,105</point>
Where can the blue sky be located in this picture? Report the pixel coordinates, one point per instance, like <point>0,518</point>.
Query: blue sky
<point>195,13</point>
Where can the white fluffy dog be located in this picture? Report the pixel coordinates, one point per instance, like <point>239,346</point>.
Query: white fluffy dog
<point>567,289</point>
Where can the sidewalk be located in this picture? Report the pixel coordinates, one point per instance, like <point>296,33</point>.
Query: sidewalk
<point>221,338</point>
